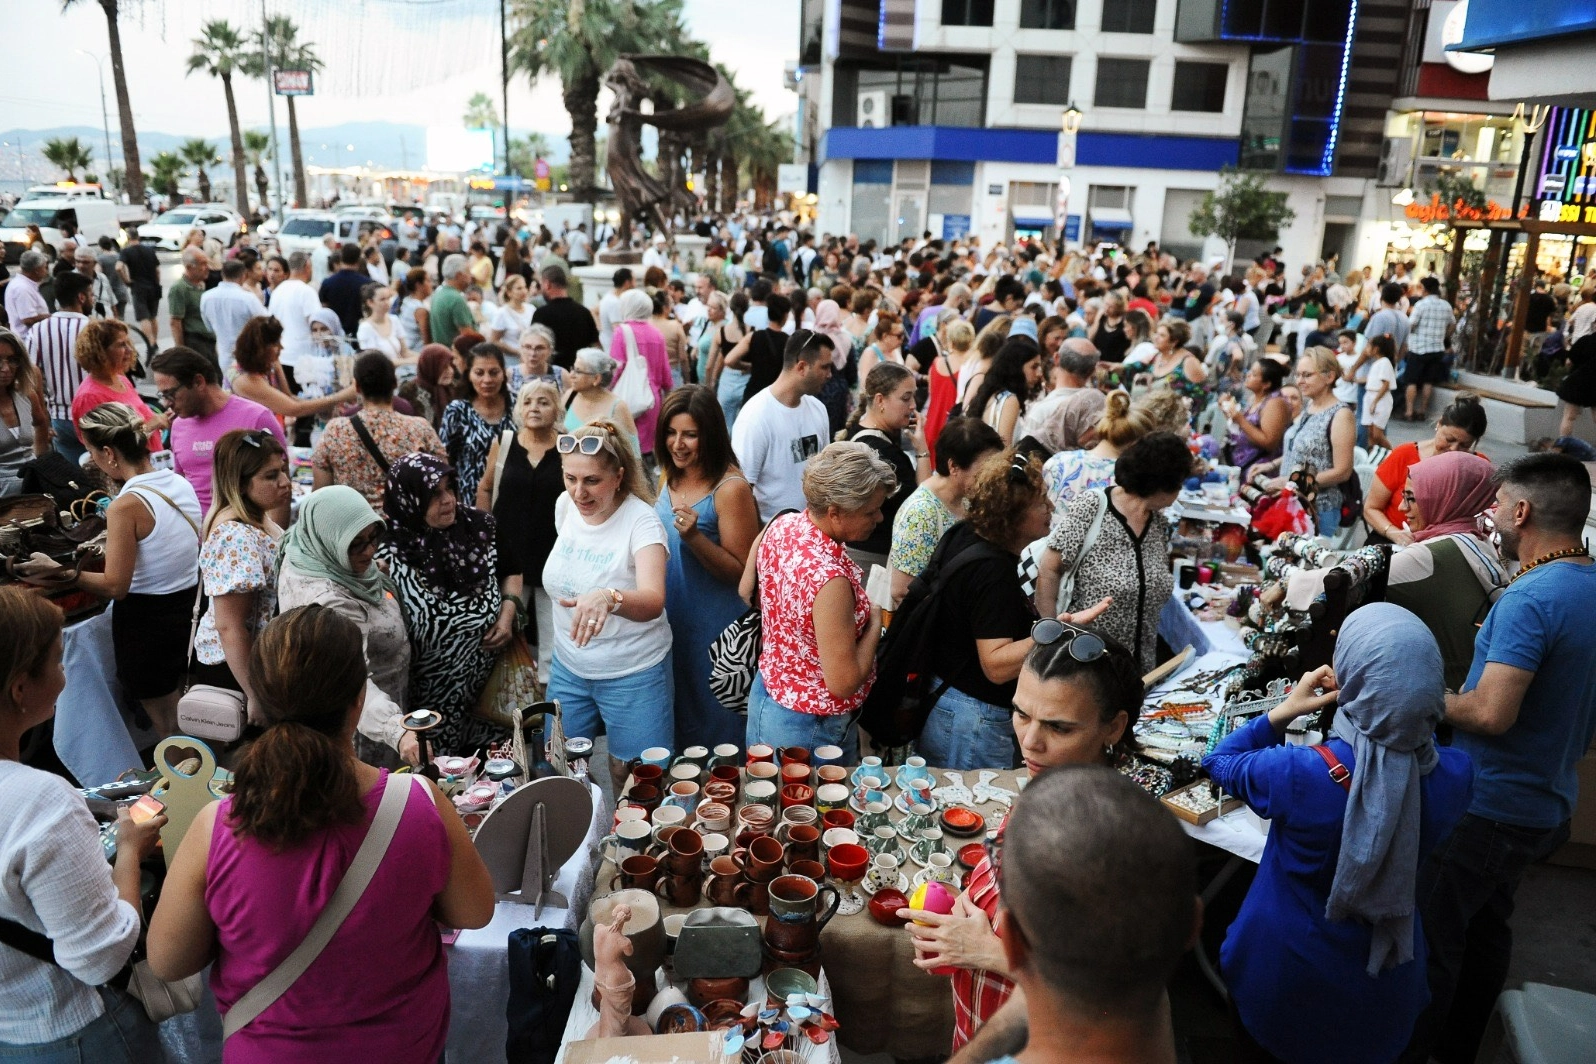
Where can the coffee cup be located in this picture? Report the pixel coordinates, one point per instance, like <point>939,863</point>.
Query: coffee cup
<point>715,845</point>
<point>726,754</point>
<point>761,792</point>
<point>871,766</point>
<point>698,755</point>
<point>796,772</point>
<point>684,771</point>
<point>668,816</point>
<point>827,755</point>
<point>803,841</point>
<point>939,868</point>
<point>681,890</point>
<point>831,774</point>
<point>673,931</point>
<point>630,812</point>
<point>764,770</point>
<point>761,753</point>
<point>838,818</point>
<point>830,796</point>
<point>714,817</point>
<point>725,885</point>
<point>686,852</point>
<point>764,859</point>
<point>662,837</point>
<point>875,814</point>
<point>731,774</point>
<point>793,755</point>
<point>643,796</point>
<point>655,755</point>
<point>631,837</point>
<point>683,795</point>
<point>638,872</point>
<point>883,873</point>
<point>797,794</point>
<point>839,837</point>
<point>813,869</point>
<point>720,791</point>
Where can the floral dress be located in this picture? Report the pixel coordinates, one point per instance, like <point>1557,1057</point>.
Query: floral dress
<point>922,521</point>
<point>237,559</point>
<point>467,437</point>
<point>1068,473</point>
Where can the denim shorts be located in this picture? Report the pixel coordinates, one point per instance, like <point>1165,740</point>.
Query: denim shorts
<point>638,709</point>
<point>1328,522</point>
<point>966,733</point>
<point>772,723</point>
<point>123,1035</point>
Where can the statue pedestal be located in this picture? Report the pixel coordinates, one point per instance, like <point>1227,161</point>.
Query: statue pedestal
<point>692,248</point>
<point>597,282</point>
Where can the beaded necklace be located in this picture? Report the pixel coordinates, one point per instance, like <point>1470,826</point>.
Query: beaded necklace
<point>1556,555</point>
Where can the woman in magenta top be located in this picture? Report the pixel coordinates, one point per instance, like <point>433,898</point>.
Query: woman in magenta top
<point>257,868</point>
<point>818,647</point>
<point>104,350</point>
<point>635,310</point>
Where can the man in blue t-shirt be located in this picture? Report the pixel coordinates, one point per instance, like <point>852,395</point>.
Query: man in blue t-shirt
<point>1525,716</point>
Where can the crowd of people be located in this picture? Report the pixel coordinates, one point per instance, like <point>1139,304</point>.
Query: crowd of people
<point>999,429</point>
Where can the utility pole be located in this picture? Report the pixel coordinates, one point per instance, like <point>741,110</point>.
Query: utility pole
<point>504,88</point>
<point>105,114</point>
<point>271,108</point>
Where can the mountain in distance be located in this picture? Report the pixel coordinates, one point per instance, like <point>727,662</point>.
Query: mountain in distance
<point>382,145</point>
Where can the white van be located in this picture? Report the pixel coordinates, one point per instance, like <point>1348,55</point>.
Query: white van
<point>93,218</point>
<point>304,230</point>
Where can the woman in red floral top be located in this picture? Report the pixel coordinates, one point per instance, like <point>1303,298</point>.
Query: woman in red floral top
<point>1066,712</point>
<point>817,659</point>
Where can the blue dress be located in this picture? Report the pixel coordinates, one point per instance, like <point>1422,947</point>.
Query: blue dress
<point>1282,960</point>
<point>699,607</point>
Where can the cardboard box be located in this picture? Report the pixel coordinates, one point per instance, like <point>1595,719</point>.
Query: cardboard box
<point>702,1047</point>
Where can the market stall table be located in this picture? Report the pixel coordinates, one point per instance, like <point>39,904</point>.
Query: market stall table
<point>92,736</point>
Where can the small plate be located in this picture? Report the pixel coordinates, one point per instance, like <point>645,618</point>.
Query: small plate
<point>906,775</point>
<point>902,802</point>
<point>902,886</point>
<point>972,830</point>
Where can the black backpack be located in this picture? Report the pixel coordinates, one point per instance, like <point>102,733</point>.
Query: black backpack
<point>545,969</point>
<point>898,704</point>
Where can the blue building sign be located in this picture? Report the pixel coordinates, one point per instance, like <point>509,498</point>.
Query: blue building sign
<point>955,226</point>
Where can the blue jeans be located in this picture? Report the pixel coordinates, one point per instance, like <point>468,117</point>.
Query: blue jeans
<point>123,1035</point>
<point>730,392</point>
<point>1328,522</point>
<point>1465,899</point>
<point>962,732</point>
<point>772,723</point>
<point>66,440</point>
<point>638,709</point>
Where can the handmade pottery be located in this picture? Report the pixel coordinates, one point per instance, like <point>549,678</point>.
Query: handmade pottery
<point>719,942</point>
<point>884,906</point>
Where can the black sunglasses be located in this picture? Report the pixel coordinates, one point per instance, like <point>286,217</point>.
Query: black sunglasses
<point>1082,645</point>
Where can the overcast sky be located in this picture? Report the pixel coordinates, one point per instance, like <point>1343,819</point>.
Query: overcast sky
<point>45,83</point>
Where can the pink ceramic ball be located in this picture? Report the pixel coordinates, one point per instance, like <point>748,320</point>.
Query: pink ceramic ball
<point>933,897</point>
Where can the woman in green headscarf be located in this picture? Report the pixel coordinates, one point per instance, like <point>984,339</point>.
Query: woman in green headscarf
<point>328,557</point>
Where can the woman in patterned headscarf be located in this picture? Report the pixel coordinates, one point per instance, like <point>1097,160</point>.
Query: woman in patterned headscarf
<point>443,564</point>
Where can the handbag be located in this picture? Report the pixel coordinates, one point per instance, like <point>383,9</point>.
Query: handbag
<point>57,476</point>
<point>161,1000</point>
<point>511,686</point>
<point>204,710</point>
<point>633,388</point>
<point>1066,580</point>
<point>264,994</point>
<point>734,654</point>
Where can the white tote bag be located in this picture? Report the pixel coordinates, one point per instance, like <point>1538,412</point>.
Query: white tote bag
<point>633,388</point>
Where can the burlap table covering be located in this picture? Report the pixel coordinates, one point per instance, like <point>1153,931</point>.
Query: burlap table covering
<point>884,1003</point>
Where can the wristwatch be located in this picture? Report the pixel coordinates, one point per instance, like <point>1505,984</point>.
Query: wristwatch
<point>616,601</point>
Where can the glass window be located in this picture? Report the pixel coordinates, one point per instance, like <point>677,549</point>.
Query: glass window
<point>1199,86</point>
<point>1047,14</point>
<point>1042,79</point>
<point>1121,83</point>
<point>1129,16</point>
<point>967,12</point>
<point>811,15</point>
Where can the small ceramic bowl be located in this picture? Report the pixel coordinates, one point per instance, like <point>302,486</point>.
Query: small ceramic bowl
<point>784,982</point>
<point>970,856</point>
<point>723,1014</point>
<point>884,905</point>
<point>962,822</point>
<point>681,1019</point>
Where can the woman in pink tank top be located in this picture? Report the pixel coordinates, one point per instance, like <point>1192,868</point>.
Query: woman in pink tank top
<point>257,868</point>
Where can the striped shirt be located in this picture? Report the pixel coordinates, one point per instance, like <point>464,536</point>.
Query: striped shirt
<point>978,993</point>
<point>50,344</point>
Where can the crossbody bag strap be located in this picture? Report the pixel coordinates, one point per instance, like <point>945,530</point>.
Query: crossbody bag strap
<point>158,493</point>
<point>498,466</point>
<point>265,993</point>
<point>1093,531</point>
<point>1338,772</point>
<point>370,444</point>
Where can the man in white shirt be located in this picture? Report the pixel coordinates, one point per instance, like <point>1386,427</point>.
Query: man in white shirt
<point>780,428</point>
<point>51,345</point>
<point>321,259</point>
<point>655,255</point>
<point>293,302</point>
<point>610,305</point>
<point>1583,320</point>
<point>227,308</point>
<point>579,252</point>
<point>25,305</point>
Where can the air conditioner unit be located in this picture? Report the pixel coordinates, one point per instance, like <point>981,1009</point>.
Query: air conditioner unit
<point>1396,160</point>
<point>873,109</point>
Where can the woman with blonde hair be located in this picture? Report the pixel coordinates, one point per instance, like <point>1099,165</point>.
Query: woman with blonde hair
<point>151,558</point>
<point>256,869</point>
<point>606,577</point>
<point>817,658</point>
<point>886,343</point>
<point>238,558</point>
<point>105,351</point>
<point>512,316</point>
<point>953,340</point>
<point>1320,441</point>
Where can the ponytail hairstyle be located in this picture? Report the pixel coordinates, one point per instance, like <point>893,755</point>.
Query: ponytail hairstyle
<point>308,669</point>
<point>884,379</point>
<point>1466,413</point>
<point>1122,424</point>
<point>119,427</point>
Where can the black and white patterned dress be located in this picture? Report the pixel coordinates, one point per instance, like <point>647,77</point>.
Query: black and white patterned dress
<point>1135,571</point>
<point>448,667</point>
<point>467,438</point>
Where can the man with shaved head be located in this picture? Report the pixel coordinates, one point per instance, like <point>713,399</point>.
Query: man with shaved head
<point>183,305</point>
<point>1072,372</point>
<point>1100,902</point>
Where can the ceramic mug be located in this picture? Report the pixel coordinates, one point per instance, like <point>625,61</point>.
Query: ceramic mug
<point>725,754</point>
<point>683,795</point>
<point>799,814</point>
<point>764,770</point>
<point>757,819</point>
<point>720,791</point>
<point>630,812</point>
<point>827,755</point>
<point>764,859</point>
<point>643,796</point>
<point>638,872</point>
<point>813,869</point>
<point>793,755</point>
<point>871,766</point>
<point>761,752</point>
<point>838,818</point>
<point>645,773</point>
<point>685,771</point>
<point>796,772</point>
<point>839,837</point>
<point>867,789</point>
<point>686,852</point>
<point>802,840</point>
<point>670,816</point>
<point>631,837</point>
<point>673,931</point>
<point>797,794</point>
<point>727,774</point>
<point>662,837</point>
<point>698,755</point>
<point>725,885</point>
<point>831,796</point>
<point>930,842</point>
<point>714,817</point>
<point>939,868</point>
<point>832,774</point>
<point>761,792</point>
<point>875,814</point>
<point>681,890</point>
<point>883,872</point>
<point>715,845</point>
<point>883,840</point>
<point>655,755</point>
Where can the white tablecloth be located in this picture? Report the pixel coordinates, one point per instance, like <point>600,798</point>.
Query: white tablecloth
<point>91,733</point>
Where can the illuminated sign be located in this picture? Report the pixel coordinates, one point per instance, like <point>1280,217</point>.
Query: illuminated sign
<point>1433,210</point>
<point>1566,184</point>
<point>293,83</point>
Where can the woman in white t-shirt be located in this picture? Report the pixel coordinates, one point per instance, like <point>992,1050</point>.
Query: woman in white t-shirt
<point>1379,395</point>
<point>513,314</point>
<point>379,330</point>
<point>606,577</point>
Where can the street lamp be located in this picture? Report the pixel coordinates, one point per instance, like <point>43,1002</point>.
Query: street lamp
<point>1072,119</point>
<point>1069,126</point>
<point>105,115</point>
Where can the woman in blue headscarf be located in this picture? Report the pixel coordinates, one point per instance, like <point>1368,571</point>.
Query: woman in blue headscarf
<point>1330,926</point>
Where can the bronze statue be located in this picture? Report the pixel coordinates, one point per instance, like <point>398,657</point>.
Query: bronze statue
<point>641,193</point>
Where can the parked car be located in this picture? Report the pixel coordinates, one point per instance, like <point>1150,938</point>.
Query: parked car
<point>92,217</point>
<point>169,229</point>
<point>129,214</point>
<point>304,230</point>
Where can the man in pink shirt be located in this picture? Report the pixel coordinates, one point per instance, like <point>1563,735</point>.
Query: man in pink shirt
<point>191,387</point>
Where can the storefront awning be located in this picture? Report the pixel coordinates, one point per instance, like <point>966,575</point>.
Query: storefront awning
<point>1111,218</point>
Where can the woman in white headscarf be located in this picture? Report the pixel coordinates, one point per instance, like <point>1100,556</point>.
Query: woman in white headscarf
<point>1332,917</point>
<point>635,337</point>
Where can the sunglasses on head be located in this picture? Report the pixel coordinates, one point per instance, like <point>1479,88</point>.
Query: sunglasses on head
<point>255,439</point>
<point>589,445</point>
<point>1082,645</point>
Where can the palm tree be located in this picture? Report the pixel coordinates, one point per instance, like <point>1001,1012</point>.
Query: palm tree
<point>165,171</point>
<point>577,41</point>
<point>70,154</point>
<point>200,154</point>
<point>281,38</point>
<point>257,149</point>
<point>481,113</point>
<point>220,51</point>
<point>124,103</point>
<point>526,151</point>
